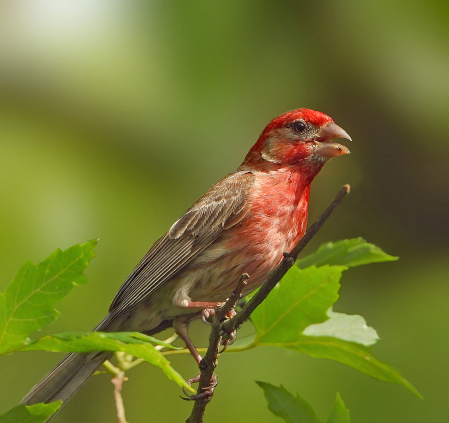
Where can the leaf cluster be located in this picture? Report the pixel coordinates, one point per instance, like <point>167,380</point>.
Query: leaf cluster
<point>28,304</point>
<point>297,315</point>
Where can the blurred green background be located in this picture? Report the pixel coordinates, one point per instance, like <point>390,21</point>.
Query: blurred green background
<point>116,116</point>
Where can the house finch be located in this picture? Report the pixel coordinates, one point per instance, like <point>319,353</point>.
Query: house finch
<point>243,224</point>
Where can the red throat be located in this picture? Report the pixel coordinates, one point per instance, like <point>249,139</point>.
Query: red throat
<point>281,212</point>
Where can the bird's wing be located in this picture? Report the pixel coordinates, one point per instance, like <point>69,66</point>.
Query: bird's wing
<point>222,206</point>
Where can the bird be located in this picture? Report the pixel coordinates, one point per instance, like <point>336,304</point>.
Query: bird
<point>242,224</point>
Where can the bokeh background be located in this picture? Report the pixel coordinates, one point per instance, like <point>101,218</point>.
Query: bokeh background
<point>116,116</point>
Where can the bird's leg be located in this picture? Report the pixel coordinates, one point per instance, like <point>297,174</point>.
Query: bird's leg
<point>208,391</point>
<point>181,327</point>
<point>199,304</point>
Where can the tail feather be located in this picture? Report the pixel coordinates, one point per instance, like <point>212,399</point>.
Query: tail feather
<point>69,375</point>
<point>66,378</point>
<point>74,370</point>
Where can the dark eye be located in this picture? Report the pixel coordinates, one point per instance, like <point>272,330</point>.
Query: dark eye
<point>298,126</point>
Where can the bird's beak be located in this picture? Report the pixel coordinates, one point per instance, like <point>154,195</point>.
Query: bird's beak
<point>328,149</point>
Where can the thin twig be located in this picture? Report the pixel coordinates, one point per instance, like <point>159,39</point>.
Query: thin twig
<point>220,326</point>
<point>125,362</point>
<point>117,381</point>
<point>207,365</point>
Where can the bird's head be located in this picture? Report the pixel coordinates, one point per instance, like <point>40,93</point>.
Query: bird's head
<point>297,138</point>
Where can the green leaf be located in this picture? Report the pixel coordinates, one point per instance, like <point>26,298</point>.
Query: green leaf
<point>349,328</point>
<point>350,353</point>
<point>89,341</point>
<point>37,413</point>
<point>296,409</point>
<point>283,404</point>
<point>301,299</point>
<point>349,252</point>
<point>339,413</point>
<point>132,343</point>
<point>28,302</point>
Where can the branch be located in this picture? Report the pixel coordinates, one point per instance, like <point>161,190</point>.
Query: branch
<point>208,380</point>
<point>222,325</point>
<point>117,381</point>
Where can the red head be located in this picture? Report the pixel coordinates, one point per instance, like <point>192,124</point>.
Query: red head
<point>297,138</point>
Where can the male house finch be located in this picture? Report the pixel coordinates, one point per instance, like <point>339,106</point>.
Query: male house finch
<point>243,224</point>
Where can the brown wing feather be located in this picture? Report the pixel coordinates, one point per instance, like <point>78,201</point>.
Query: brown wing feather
<point>217,210</point>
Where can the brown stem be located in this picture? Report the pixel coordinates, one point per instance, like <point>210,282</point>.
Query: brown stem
<point>207,365</point>
<point>117,381</point>
<point>221,325</point>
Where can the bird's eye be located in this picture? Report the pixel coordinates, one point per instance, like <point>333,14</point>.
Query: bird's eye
<point>298,126</point>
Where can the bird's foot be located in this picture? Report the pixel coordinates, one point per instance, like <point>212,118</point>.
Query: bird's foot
<point>209,312</point>
<point>207,391</point>
<point>228,338</point>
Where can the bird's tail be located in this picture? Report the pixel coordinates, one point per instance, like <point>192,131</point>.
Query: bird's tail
<point>74,370</point>
<point>66,378</point>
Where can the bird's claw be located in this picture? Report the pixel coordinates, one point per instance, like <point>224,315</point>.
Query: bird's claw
<point>208,391</point>
<point>228,339</point>
<point>207,314</point>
